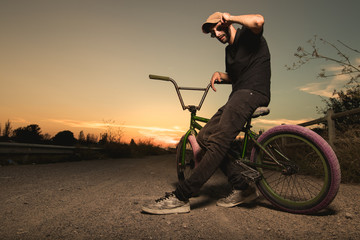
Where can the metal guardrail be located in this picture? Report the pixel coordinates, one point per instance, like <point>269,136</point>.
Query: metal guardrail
<point>330,119</point>
<point>28,149</point>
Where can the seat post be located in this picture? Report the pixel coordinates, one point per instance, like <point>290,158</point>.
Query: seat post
<point>248,125</point>
<point>246,130</point>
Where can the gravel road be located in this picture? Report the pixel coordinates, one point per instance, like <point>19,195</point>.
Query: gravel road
<point>102,199</point>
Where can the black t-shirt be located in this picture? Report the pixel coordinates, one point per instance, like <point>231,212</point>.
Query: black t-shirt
<point>248,62</point>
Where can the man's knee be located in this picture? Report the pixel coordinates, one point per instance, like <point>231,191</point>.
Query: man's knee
<point>200,138</point>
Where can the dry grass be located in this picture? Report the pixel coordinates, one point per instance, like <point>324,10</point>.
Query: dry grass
<point>347,148</point>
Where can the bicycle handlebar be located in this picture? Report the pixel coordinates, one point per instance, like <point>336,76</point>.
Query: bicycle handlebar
<point>177,88</point>
<point>157,77</point>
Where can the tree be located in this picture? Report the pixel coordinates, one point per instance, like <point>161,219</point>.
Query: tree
<point>46,138</point>
<point>7,130</point>
<point>113,133</point>
<point>81,138</point>
<point>348,68</point>
<point>65,138</point>
<point>104,138</point>
<point>28,134</point>
<point>132,142</point>
<point>344,99</point>
<point>91,139</point>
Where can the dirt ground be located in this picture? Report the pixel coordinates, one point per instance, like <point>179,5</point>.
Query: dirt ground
<point>102,199</point>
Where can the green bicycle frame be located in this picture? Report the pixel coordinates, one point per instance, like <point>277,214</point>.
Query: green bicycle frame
<point>194,126</point>
<point>249,135</point>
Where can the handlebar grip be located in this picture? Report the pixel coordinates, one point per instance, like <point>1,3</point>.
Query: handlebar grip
<point>157,77</point>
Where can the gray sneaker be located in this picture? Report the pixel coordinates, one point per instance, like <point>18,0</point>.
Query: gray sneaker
<point>167,205</point>
<point>237,197</point>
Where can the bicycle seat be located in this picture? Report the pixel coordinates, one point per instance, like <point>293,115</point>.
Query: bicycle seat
<point>261,111</point>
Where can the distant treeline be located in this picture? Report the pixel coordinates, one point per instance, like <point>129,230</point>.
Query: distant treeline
<point>110,141</point>
<point>33,134</point>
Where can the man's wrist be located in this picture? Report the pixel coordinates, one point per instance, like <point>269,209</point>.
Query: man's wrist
<point>231,19</point>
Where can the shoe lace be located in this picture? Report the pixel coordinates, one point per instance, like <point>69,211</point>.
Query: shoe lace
<point>167,196</point>
<point>231,194</point>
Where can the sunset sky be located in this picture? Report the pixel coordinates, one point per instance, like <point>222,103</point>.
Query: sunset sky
<point>79,64</point>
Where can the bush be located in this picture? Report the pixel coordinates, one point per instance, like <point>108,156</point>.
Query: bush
<point>347,148</point>
<point>343,101</point>
<point>117,150</point>
<point>140,149</point>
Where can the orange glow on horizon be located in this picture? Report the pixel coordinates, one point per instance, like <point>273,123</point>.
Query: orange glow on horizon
<point>163,137</point>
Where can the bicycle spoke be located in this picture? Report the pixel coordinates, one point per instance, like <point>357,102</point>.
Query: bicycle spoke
<point>300,171</point>
<point>302,185</point>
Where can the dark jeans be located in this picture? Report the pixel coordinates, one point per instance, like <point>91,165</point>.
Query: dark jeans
<point>216,138</point>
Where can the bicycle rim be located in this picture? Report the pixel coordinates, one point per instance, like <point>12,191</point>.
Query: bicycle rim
<point>184,160</point>
<point>307,185</point>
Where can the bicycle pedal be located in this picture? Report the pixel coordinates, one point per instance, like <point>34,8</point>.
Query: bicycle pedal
<point>251,175</point>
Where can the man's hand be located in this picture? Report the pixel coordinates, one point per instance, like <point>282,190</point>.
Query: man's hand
<point>225,19</point>
<point>254,22</point>
<point>219,77</point>
<point>216,77</point>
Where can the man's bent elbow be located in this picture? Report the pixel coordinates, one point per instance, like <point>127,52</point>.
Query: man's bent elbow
<point>259,21</point>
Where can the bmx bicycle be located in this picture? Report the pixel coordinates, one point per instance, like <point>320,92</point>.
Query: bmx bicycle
<point>294,168</point>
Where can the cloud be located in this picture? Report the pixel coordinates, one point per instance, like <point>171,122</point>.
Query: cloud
<point>172,137</point>
<point>167,138</point>
<point>80,124</point>
<point>18,120</point>
<point>274,122</point>
<point>327,87</point>
<point>153,129</point>
<point>104,125</point>
<point>321,89</point>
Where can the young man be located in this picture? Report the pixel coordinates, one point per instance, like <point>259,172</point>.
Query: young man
<point>248,70</point>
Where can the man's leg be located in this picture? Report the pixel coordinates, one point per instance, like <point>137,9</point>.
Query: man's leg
<point>233,173</point>
<point>209,128</point>
<point>241,192</point>
<point>228,166</point>
<point>235,113</point>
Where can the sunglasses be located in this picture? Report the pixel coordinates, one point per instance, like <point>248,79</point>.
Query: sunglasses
<point>217,28</point>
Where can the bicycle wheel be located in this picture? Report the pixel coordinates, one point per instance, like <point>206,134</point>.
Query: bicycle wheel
<point>309,178</point>
<point>184,168</point>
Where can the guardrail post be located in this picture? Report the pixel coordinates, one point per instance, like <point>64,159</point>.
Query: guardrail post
<point>331,127</point>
